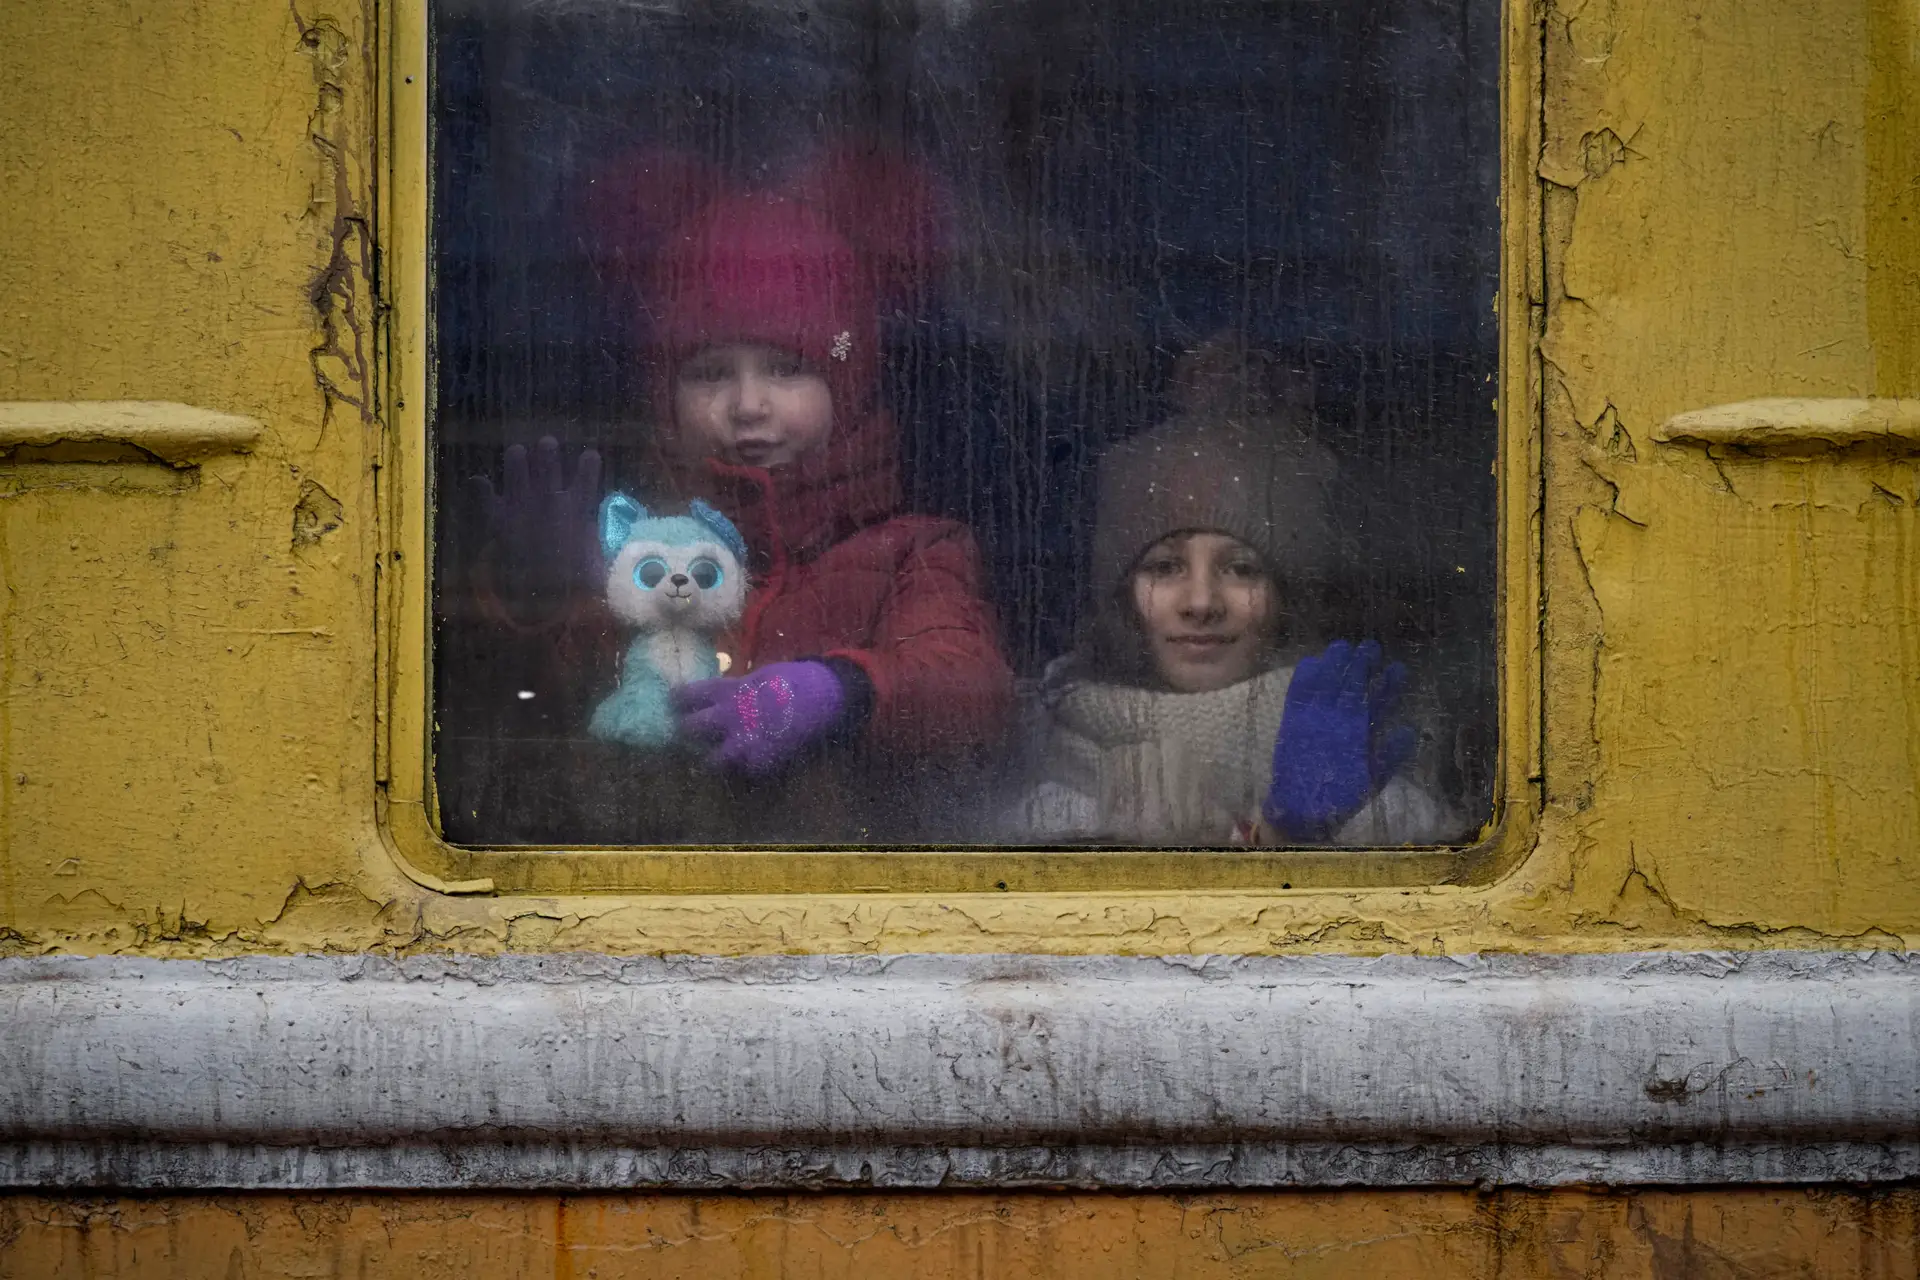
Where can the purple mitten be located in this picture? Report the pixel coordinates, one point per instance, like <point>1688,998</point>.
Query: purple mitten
<point>762,721</point>
<point>1336,747</point>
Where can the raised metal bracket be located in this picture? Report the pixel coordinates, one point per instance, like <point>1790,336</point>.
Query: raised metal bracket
<point>1787,424</point>
<point>130,431</point>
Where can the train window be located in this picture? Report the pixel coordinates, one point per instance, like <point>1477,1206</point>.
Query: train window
<point>964,422</point>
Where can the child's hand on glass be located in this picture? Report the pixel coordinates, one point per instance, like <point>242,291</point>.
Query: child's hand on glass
<point>760,722</point>
<point>540,530</point>
<point>1336,748</point>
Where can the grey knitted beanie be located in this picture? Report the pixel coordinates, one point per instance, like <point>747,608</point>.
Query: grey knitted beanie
<point>1257,479</point>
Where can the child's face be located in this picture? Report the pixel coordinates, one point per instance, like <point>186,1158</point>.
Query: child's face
<point>752,404</point>
<point>1207,607</point>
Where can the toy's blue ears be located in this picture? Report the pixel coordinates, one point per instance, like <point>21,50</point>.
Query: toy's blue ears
<point>618,515</point>
<point>722,529</point>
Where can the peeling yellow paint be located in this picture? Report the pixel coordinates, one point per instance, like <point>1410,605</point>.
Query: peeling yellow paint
<point>1729,649</point>
<point>1893,195</point>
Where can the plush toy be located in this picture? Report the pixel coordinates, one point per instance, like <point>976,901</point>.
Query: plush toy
<point>680,580</point>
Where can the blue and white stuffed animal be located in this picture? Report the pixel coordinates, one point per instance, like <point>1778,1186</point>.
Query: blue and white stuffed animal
<point>680,580</point>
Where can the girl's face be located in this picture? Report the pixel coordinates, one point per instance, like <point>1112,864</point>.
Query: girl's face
<point>1207,607</point>
<point>748,403</point>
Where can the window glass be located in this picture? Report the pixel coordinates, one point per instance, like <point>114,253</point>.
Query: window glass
<point>1031,422</point>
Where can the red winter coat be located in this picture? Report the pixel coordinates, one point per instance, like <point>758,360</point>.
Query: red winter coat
<point>839,573</point>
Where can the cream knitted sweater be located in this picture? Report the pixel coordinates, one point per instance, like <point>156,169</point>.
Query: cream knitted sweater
<point>1139,766</point>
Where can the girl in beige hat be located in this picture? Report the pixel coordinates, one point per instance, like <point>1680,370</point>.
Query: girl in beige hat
<point>1188,713</point>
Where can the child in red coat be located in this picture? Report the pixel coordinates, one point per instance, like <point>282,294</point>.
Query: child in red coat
<point>865,631</point>
<point>861,619</point>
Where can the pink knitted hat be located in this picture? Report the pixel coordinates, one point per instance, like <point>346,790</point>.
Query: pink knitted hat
<point>769,268</point>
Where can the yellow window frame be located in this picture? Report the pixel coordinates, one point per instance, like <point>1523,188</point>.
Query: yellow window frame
<point>405,684</point>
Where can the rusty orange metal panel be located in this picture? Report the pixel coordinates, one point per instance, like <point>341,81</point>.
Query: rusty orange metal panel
<point>1593,1235</point>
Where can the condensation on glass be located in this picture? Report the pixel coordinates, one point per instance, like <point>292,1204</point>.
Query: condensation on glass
<point>925,422</point>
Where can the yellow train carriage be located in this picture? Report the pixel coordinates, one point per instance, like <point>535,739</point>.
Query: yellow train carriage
<point>275,1005</point>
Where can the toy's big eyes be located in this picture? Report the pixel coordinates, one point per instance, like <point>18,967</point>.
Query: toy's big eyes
<point>706,574</point>
<point>649,573</point>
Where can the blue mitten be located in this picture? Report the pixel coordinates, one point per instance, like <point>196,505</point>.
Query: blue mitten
<point>1334,750</point>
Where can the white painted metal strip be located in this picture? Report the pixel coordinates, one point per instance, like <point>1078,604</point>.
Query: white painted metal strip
<point>587,1071</point>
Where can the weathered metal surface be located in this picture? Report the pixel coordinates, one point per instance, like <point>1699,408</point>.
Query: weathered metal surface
<point>192,723</point>
<point>591,1071</point>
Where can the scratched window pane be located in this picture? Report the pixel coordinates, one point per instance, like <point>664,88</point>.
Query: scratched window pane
<point>1031,422</point>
